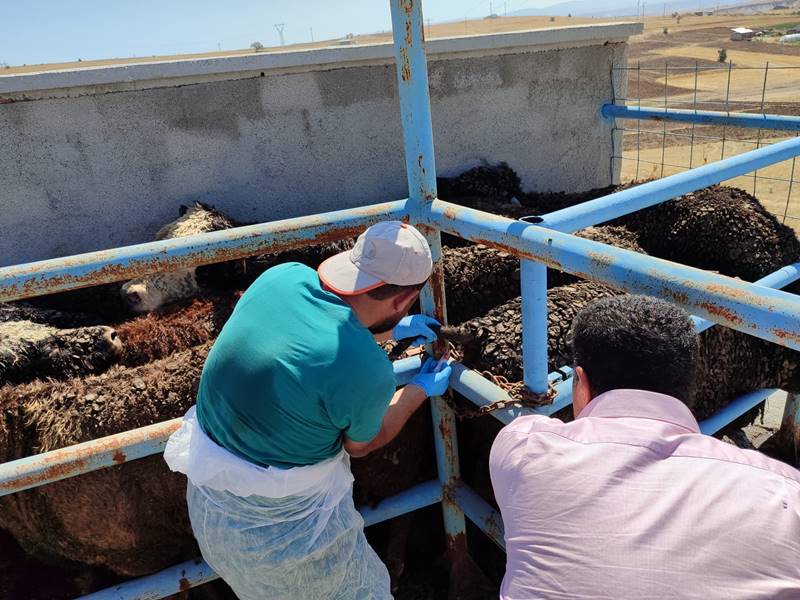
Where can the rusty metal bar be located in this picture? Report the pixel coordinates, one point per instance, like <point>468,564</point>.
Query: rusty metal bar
<point>481,392</point>
<point>419,496</point>
<point>63,463</point>
<point>651,193</point>
<point>197,572</point>
<point>734,409</point>
<point>481,513</point>
<point>34,471</point>
<point>769,314</point>
<point>415,113</point>
<point>106,266</point>
<point>173,580</point>
<point>776,280</point>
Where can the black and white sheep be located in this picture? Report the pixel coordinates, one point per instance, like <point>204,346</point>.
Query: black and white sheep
<point>31,350</point>
<point>153,291</point>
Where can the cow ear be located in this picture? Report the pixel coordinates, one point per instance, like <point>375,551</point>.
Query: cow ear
<point>182,210</point>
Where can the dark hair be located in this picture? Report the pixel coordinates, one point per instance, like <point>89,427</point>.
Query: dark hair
<point>388,290</point>
<point>636,342</point>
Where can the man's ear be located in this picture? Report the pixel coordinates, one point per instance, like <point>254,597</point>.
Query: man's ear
<point>581,391</point>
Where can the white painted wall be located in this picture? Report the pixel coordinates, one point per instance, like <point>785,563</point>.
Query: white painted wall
<point>101,157</point>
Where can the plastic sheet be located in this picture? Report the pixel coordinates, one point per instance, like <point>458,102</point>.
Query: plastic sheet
<point>288,534</point>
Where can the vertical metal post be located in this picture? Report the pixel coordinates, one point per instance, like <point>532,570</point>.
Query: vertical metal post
<point>664,134</point>
<point>789,193</point>
<point>415,111</point>
<point>758,137</point>
<point>691,144</point>
<point>727,107</point>
<point>533,281</point>
<point>638,121</point>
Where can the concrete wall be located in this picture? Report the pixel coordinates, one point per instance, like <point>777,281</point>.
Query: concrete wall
<point>99,158</point>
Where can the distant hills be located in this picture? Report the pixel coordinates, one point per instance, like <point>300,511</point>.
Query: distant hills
<point>619,8</point>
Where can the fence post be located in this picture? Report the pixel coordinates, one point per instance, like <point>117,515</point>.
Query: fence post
<point>415,112</point>
<point>533,285</point>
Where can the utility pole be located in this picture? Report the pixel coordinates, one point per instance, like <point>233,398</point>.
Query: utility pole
<point>279,28</point>
<point>491,12</point>
<point>311,29</point>
<point>505,9</point>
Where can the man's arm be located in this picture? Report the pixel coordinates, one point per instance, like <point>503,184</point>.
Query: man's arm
<point>404,403</point>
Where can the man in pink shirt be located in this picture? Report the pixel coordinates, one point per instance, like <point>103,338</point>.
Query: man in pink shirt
<point>630,500</point>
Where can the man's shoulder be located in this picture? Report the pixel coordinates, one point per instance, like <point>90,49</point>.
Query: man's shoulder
<point>289,273</point>
<point>704,447</point>
<point>530,424</point>
<point>514,436</point>
<point>514,439</point>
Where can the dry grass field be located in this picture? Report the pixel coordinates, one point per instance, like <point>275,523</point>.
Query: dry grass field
<point>680,68</point>
<point>653,28</point>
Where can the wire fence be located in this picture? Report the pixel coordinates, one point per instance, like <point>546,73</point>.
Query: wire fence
<point>653,149</point>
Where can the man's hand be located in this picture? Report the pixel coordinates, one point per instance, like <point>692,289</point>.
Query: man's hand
<point>434,382</point>
<point>418,327</point>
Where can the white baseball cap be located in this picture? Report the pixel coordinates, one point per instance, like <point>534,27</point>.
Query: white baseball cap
<point>388,252</point>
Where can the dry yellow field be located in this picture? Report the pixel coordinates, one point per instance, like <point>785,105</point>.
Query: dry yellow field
<point>653,27</point>
<point>772,193</point>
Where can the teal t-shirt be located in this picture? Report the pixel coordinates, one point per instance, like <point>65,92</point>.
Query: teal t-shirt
<point>291,371</point>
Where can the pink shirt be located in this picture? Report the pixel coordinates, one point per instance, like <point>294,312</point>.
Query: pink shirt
<point>631,501</point>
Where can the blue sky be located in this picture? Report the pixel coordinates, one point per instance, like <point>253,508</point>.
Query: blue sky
<point>43,31</point>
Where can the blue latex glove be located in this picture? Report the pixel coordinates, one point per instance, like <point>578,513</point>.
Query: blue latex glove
<point>417,327</point>
<point>434,382</point>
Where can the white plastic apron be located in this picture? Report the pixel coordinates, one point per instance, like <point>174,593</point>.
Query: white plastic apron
<point>276,533</point>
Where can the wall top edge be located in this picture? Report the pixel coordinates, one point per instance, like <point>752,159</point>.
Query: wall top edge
<point>312,59</point>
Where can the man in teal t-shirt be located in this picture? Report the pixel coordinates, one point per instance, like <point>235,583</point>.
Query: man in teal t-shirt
<point>295,380</point>
<point>286,379</point>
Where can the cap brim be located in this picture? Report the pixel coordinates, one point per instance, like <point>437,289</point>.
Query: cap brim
<point>340,275</point>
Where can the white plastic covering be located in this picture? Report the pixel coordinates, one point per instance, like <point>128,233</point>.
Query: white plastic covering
<point>284,534</point>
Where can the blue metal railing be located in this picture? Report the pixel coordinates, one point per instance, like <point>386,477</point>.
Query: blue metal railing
<point>752,308</point>
<point>703,117</point>
<point>651,193</point>
<point>415,114</point>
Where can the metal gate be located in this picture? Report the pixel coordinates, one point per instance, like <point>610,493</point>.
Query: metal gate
<point>752,308</point>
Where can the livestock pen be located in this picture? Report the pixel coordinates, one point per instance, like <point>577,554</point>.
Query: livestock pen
<point>540,242</point>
